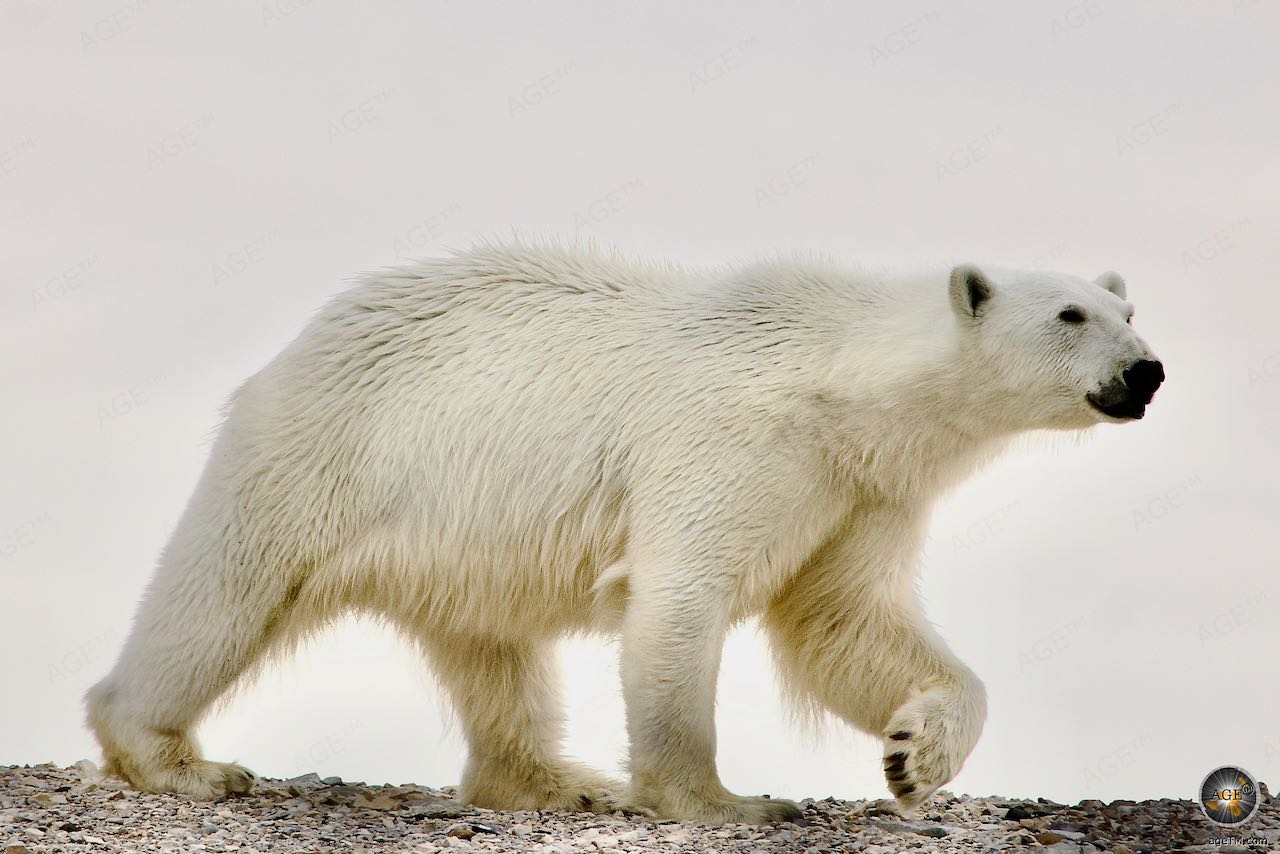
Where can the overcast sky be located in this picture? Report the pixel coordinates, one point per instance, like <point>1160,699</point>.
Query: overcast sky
<point>183,184</point>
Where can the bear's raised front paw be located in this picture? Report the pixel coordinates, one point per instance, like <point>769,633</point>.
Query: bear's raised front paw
<point>927,740</point>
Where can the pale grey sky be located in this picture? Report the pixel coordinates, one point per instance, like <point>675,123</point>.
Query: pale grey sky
<point>182,184</point>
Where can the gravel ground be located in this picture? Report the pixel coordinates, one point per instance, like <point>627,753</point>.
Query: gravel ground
<point>47,808</point>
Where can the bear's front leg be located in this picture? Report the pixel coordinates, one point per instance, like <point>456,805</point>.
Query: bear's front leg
<point>672,638</point>
<point>848,636</point>
<point>930,735</point>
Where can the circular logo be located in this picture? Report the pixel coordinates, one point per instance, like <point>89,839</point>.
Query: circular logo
<point>1229,796</point>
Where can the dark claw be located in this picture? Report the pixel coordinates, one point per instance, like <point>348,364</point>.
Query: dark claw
<point>895,759</point>
<point>902,791</point>
<point>897,776</point>
<point>901,735</point>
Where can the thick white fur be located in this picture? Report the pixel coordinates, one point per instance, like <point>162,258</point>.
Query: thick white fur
<point>497,448</point>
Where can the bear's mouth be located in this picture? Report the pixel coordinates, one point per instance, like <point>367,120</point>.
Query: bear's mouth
<point>1126,408</point>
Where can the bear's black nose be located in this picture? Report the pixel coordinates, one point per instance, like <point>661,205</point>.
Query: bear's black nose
<point>1143,377</point>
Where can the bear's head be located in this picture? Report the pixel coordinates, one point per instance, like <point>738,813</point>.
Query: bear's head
<point>1055,351</point>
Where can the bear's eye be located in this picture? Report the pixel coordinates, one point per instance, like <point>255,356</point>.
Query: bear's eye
<point>1071,315</point>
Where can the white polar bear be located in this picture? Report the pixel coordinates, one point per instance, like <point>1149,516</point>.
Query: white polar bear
<point>501,447</point>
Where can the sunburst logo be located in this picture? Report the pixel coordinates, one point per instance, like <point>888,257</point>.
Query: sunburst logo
<point>1229,796</point>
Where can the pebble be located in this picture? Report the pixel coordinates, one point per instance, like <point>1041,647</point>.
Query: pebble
<point>1064,848</point>
<point>1070,826</point>
<point>376,801</point>
<point>51,809</point>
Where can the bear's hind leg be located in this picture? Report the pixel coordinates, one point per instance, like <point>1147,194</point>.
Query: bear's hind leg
<point>506,694</point>
<point>199,628</point>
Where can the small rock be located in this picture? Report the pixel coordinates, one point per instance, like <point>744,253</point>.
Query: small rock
<point>461,831</point>
<point>311,779</point>
<point>1073,826</point>
<point>380,801</point>
<point>915,827</point>
<point>1017,814</point>
<point>335,795</point>
<point>332,781</point>
<point>883,807</point>
<point>16,849</point>
<point>444,808</point>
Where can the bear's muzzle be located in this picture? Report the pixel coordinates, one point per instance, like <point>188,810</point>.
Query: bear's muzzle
<point>1127,396</point>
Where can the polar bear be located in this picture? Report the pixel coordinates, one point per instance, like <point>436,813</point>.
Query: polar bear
<point>497,448</point>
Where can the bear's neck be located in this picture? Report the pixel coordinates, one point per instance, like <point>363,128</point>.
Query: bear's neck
<point>912,433</point>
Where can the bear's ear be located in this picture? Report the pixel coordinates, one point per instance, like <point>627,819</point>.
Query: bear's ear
<point>970,290</point>
<point>1111,281</point>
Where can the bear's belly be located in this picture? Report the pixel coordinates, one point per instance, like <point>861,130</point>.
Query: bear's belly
<point>483,574</point>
